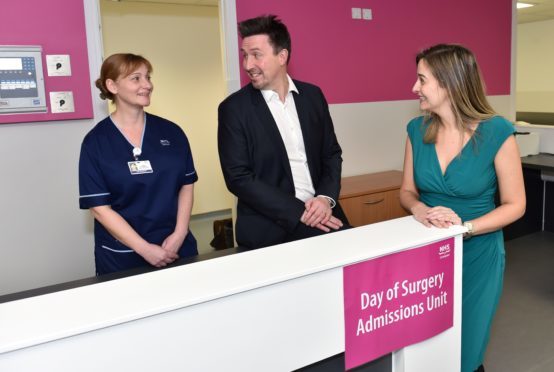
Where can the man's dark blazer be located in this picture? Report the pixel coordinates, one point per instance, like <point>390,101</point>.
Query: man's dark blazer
<point>257,170</point>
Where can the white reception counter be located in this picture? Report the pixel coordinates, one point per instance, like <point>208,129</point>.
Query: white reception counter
<point>272,309</point>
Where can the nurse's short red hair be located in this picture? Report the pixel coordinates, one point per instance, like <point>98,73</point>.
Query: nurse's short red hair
<point>117,66</point>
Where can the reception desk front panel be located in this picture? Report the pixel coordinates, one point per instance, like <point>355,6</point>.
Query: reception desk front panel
<point>273,309</point>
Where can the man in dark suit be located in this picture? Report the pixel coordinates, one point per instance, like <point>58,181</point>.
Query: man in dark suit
<point>277,146</point>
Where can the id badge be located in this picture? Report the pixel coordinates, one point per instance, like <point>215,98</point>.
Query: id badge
<point>140,167</point>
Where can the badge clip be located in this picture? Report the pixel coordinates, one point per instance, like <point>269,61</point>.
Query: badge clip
<point>136,152</point>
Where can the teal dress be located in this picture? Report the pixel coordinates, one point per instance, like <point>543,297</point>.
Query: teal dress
<point>468,187</point>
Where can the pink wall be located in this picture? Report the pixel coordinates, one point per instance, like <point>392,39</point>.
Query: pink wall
<point>368,61</point>
<point>59,27</point>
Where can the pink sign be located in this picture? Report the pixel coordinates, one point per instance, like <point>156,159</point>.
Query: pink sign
<point>397,300</point>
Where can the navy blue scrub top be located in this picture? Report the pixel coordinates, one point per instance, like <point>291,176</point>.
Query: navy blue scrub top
<point>148,201</point>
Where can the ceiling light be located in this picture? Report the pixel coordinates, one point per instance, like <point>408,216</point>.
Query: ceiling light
<point>524,5</point>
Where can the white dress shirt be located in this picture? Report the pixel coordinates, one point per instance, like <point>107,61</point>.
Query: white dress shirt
<point>286,117</point>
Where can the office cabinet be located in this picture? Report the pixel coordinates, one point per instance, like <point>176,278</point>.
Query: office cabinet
<point>371,198</point>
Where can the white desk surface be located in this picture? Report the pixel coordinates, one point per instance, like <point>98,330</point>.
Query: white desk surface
<point>40,319</point>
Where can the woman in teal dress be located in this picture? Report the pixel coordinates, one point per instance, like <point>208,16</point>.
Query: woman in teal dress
<point>457,155</point>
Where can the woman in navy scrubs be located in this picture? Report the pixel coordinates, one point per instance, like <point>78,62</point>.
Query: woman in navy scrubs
<point>136,175</point>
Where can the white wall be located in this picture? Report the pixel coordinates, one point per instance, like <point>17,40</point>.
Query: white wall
<point>372,135</point>
<point>535,66</point>
<point>44,238</point>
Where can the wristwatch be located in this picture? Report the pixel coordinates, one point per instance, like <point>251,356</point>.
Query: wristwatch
<point>469,227</point>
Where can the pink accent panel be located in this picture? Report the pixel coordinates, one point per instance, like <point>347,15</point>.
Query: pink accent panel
<point>59,27</point>
<point>368,61</point>
<point>397,300</point>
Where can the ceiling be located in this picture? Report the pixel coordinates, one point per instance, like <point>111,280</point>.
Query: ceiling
<point>542,11</point>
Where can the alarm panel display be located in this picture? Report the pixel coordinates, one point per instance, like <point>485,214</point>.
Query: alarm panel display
<point>21,79</point>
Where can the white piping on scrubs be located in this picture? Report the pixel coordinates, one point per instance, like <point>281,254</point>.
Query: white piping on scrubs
<point>117,251</point>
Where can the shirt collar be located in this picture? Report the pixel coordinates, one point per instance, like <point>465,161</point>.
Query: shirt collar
<point>271,94</point>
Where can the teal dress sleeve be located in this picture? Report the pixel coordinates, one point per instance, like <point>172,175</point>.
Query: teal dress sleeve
<point>416,129</point>
<point>494,133</point>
